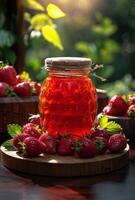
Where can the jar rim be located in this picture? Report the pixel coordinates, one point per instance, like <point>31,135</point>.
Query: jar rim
<point>68,63</point>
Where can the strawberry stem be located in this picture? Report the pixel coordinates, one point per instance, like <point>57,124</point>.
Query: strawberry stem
<point>3,64</point>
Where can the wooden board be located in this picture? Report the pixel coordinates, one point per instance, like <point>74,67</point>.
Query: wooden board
<point>55,165</point>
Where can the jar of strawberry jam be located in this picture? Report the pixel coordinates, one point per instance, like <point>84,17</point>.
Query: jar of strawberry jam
<point>68,101</point>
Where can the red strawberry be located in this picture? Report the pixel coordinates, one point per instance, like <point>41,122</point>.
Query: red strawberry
<point>32,147</point>
<point>50,142</point>
<point>35,119</point>
<point>66,145</point>
<point>17,139</point>
<point>23,89</point>
<point>109,110</point>
<point>100,133</point>
<point>32,130</point>
<point>101,144</point>
<point>85,148</point>
<point>131,110</point>
<point>116,107</point>
<point>18,79</point>
<point>8,74</point>
<point>36,87</point>
<point>6,90</point>
<point>3,89</point>
<point>117,143</point>
<point>25,126</point>
<point>131,100</point>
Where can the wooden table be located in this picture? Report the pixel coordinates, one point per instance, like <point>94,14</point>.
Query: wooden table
<point>118,185</point>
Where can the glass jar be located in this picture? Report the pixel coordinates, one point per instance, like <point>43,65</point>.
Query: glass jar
<point>67,102</point>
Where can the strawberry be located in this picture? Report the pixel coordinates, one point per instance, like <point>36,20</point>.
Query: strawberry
<point>17,139</point>
<point>7,74</point>
<point>35,119</point>
<point>109,110</point>
<point>85,148</point>
<point>101,144</point>
<point>4,88</point>
<point>31,147</point>
<point>18,79</point>
<point>23,89</point>
<point>131,110</point>
<point>25,126</point>
<point>100,133</point>
<point>131,100</point>
<point>50,142</point>
<point>117,143</point>
<point>117,106</point>
<point>32,130</point>
<point>65,146</point>
<point>36,87</point>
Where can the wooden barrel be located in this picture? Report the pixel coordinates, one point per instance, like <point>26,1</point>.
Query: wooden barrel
<point>16,110</point>
<point>102,99</point>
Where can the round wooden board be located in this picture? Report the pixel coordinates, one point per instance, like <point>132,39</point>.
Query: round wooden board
<point>55,165</point>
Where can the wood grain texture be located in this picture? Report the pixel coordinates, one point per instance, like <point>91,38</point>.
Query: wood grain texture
<point>16,110</point>
<point>55,165</point>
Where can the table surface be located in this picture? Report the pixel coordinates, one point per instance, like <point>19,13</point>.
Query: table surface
<point>118,185</point>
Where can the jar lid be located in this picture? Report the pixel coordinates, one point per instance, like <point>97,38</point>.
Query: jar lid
<point>67,63</point>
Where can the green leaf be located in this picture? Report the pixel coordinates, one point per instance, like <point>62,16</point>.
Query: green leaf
<point>39,21</point>
<point>8,145</point>
<point>51,35</point>
<point>25,76</point>
<point>9,55</point>
<point>54,11</point>
<point>27,17</point>
<point>33,4</point>
<point>103,121</point>
<point>112,127</point>
<point>6,39</point>
<point>14,129</point>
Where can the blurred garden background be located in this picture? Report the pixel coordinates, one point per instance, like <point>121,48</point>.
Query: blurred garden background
<point>103,30</point>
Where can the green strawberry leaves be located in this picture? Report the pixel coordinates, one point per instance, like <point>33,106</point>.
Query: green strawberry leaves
<point>8,145</point>
<point>103,121</point>
<point>14,129</point>
<point>110,126</point>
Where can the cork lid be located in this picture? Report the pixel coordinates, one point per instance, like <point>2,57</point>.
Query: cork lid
<point>67,63</point>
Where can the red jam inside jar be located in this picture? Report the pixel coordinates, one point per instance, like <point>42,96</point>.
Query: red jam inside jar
<point>68,101</point>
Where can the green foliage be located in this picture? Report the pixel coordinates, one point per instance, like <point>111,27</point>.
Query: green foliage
<point>9,145</point>
<point>7,39</point>
<point>105,28</point>
<point>39,21</point>
<point>110,126</point>
<point>121,87</point>
<point>14,129</point>
<point>32,4</point>
<point>44,21</point>
<point>54,11</point>
<point>51,35</point>
<point>25,76</point>
<point>104,48</point>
